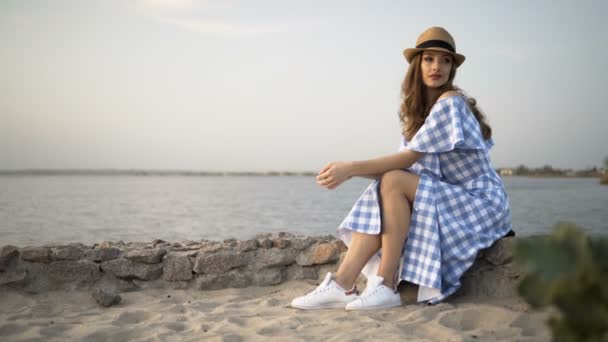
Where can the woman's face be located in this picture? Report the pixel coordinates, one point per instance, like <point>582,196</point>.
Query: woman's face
<point>436,67</point>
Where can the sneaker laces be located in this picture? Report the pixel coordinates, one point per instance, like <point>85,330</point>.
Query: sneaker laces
<point>373,291</point>
<point>322,287</point>
<point>325,286</point>
<point>374,285</point>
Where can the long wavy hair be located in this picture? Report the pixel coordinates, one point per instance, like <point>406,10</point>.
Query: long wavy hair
<point>414,109</point>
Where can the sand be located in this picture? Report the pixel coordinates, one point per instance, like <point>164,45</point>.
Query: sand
<point>255,314</point>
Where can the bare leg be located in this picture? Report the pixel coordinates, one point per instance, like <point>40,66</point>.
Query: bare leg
<point>398,189</point>
<point>361,249</point>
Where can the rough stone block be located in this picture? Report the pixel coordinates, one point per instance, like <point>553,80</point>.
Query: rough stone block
<point>297,272</point>
<point>265,243</point>
<point>274,257</point>
<point>320,253</point>
<point>36,254</point>
<point>111,282</point>
<point>177,267</point>
<point>269,276</point>
<point>280,243</point>
<point>106,297</point>
<point>8,254</point>
<point>69,253</point>
<point>70,271</point>
<point>301,243</point>
<point>247,245</point>
<point>148,255</point>
<point>102,254</point>
<point>127,269</point>
<point>501,251</point>
<point>219,262</point>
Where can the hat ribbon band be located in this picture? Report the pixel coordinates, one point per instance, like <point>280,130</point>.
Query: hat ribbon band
<point>436,43</point>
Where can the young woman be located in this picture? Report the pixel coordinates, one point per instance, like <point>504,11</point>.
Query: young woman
<point>433,205</point>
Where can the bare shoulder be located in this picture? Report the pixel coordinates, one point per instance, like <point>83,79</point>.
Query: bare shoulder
<point>449,93</point>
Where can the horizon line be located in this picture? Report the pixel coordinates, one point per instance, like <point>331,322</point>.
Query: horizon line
<point>112,171</point>
<point>139,171</point>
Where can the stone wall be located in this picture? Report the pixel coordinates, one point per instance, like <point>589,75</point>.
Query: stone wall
<point>269,259</point>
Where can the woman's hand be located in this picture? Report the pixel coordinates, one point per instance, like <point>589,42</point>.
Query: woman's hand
<point>334,174</point>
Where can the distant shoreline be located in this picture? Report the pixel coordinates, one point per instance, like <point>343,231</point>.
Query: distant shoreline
<point>117,172</point>
<point>113,172</point>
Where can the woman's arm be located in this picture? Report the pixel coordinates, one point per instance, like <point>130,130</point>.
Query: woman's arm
<point>395,161</point>
<point>335,173</point>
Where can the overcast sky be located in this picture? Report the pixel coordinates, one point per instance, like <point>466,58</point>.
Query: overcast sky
<point>286,85</point>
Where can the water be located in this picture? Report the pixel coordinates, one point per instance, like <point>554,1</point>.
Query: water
<point>36,210</point>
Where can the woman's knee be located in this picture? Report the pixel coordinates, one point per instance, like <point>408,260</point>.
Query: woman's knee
<point>389,182</point>
<point>399,181</point>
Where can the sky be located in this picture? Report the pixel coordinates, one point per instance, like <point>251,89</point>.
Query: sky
<point>226,85</point>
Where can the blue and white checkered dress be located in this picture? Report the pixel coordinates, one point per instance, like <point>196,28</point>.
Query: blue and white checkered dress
<point>460,207</point>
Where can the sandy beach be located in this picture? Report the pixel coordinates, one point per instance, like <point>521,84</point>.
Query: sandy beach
<point>256,314</point>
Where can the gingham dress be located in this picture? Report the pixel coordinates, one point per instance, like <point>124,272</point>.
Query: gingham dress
<point>460,206</point>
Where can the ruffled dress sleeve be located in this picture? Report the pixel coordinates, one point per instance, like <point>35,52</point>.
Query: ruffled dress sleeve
<point>450,125</point>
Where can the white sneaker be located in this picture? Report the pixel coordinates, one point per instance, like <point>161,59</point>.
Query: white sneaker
<point>326,296</point>
<point>375,296</point>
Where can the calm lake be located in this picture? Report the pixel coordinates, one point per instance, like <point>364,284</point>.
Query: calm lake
<point>37,210</point>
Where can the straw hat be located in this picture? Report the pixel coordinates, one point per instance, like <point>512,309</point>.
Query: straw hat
<point>435,38</point>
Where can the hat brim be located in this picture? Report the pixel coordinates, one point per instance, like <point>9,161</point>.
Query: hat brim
<point>410,53</point>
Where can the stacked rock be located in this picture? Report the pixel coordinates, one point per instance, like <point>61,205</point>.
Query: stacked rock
<point>268,259</point>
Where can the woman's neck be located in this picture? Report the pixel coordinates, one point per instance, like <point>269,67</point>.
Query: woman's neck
<point>432,94</point>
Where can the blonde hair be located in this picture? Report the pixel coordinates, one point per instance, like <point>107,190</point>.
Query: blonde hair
<point>414,109</point>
